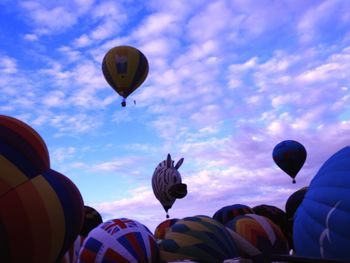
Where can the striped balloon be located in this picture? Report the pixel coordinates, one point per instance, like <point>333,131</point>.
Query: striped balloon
<point>41,211</point>
<point>198,238</point>
<point>163,227</point>
<point>125,68</point>
<point>165,177</point>
<point>25,149</point>
<point>227,213</point>
<point>261,232</point>
<point>119,240</point>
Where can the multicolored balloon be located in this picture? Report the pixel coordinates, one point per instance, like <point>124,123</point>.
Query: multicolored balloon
<point>41,210</point>
<point>162,228</point>
<point>227,213</point>
<point>321,222</point>
<point>275,214</point>
<point>119,240</point>
<point>166,183</point>
<point>198,238</point>
<point>260,232</point>
<point>125,68</point>
<point>290,156</point>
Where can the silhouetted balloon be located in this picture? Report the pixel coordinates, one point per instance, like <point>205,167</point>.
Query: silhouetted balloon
<point>125,68</point>
<point>294,201</point>
<point>166,183</point>
<point>292,205</point>
<point>92,219</point>
<point>198,238</point>
<point>290,156</point>
<point>119,240</point>
<point>41,210</point>
<point>227,213</point>
<point>321,222</point>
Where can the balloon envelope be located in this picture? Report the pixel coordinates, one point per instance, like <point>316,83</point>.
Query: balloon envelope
<point>198,238</point>
<point>166,183</point>
<point>92,219</point>
<point>294,201</point>
<point>227,213</point>
<point>163,227</point>
<point>125,68</point>
<point>290,156</point>
<point>275,214</point>
<point>321,223</point>
<point>41,210</point>
<point>119,240</point>
<point>261,232</point>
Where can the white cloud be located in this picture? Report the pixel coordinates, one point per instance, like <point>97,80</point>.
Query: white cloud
<point>312,22</point>
<point>61,154</point>
<point>51,17</point>
<point>8,65</point>
<point>30,37</point>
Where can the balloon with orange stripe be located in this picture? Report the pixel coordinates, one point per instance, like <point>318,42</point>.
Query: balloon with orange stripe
<point>259,232</point>
<point>162,228</point>
<point>41,210</point>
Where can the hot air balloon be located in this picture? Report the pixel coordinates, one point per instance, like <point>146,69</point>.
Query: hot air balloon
<point>119,240</point>
<point>166,183</point>
<point>92,219</point>
<point>261,233</point>
<point>125,68</point>
<point>41,210</point>
<point>275,214</point>
<point>163,227</point>
<point>294,201</point>
<point>290,156</point>
<point>227,213</point>
<point>321,222</point>
<point>292,205</point>
<point>198,238</point>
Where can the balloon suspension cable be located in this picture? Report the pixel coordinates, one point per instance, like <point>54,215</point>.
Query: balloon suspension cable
<point>123,102</point>
<point>293,181</point>
<point>167,215</point>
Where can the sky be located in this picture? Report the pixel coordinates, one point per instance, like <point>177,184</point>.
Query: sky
<point>228,80</point>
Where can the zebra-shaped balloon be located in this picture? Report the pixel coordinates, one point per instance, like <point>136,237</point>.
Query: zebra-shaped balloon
<point>166,183</point>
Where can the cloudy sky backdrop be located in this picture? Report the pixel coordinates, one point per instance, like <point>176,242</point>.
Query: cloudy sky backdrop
<point>228,80</point>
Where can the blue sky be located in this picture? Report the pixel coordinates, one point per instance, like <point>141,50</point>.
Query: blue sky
<point>228,80</point>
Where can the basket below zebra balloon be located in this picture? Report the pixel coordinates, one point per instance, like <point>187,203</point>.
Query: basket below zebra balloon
<point>119,240</point>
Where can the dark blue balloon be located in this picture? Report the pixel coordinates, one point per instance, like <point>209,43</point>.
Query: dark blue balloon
<point>322,221</point>
<point>290,156</point>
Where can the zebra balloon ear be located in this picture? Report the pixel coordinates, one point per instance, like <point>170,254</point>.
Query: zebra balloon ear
<point>168,161</point>
<point>178,164</point>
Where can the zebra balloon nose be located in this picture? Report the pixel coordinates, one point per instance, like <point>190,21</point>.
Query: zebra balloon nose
<point>178,191</point>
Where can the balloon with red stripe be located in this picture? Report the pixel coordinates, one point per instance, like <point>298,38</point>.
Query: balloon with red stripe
<point>119,240</point>
<point>162,228</point>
